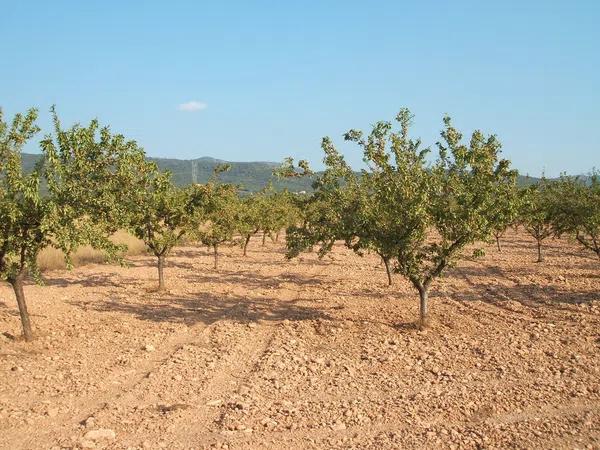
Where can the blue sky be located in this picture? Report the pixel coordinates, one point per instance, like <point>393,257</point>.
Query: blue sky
<point>270,79</point>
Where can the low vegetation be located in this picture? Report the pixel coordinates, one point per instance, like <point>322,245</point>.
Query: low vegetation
<point>52,258</point>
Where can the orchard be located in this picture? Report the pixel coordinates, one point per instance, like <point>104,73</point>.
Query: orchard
<point>421,213</point>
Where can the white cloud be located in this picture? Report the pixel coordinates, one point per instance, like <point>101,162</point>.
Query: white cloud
<point>192,106</point>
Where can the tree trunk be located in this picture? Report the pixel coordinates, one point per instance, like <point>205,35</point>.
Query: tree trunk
<point>498,243</point>
<point>264,240</point>
<point>386,262</point>
<point>161,275</point>
<point>17,285</point>
<point>277,237</point>
<point>539,249</point>
<point>246,242</point>
<point>423,308</point>
<point>216,251</point>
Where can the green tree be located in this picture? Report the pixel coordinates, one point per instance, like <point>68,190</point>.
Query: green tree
<point>276,210</point>
<point>536,213</point>
<point>162,214</point>
<point>81,169</point>
<point>220,220</point>
<point>576,210</point>
<point>26,217</point>
<point>340,209</point>
<point>247,220</point>
<point>425,215</point>
<point>505,210</point>
<point>87,169</point>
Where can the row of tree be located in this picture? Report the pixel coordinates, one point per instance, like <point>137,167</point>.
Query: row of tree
<point>421,214</point>
<point>568,206</point>
<point>91,183</point>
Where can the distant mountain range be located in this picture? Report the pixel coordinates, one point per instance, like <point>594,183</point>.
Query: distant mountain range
<point>250,176</point>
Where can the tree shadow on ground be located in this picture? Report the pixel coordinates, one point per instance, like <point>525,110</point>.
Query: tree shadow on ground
<point>552,247</point>
<point>207,308</point>
<point>231,250</point>
<point>203,260</point>
<point>252,260</point>
<point>250,280</point>
<point>244,279</point>
<point>528,294</point>
<point>113,279</point>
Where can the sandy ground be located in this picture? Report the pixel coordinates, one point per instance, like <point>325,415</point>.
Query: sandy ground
<point>268,353</point>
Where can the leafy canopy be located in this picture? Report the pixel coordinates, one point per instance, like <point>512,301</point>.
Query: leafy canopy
<point>422,215</point>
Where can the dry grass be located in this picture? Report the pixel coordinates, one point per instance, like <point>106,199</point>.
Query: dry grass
<point>134,245</point>
<point>53,259</point>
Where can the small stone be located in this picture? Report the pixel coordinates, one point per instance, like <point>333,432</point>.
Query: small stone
<point>17,369</point>
<point>149,348</point>
<point>252,325</point>
<point>52,412</point>
<point>339,426</point>
<point>99,434</point>
<point>214,403</point>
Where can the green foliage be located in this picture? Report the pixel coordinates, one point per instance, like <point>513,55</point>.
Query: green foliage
<point>536,212</point>
<point>161,213</point>
<point>248,219</point>
<point>27,220</point>
<point>288,170</point>
<point>86,170</point>
<point>160,216</point>
<point>505,210</point>
<point>576,210</point>
<point>269,211</point>
<point>329,214</point>
<point>276,210</point>
<point>421,216</point>
<point>221,208</point>
<point>219,215</point>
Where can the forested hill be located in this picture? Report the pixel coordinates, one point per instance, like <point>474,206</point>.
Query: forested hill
<point>250,176</point>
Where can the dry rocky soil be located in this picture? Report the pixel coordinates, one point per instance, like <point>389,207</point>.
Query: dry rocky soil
<point>308,353</point>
